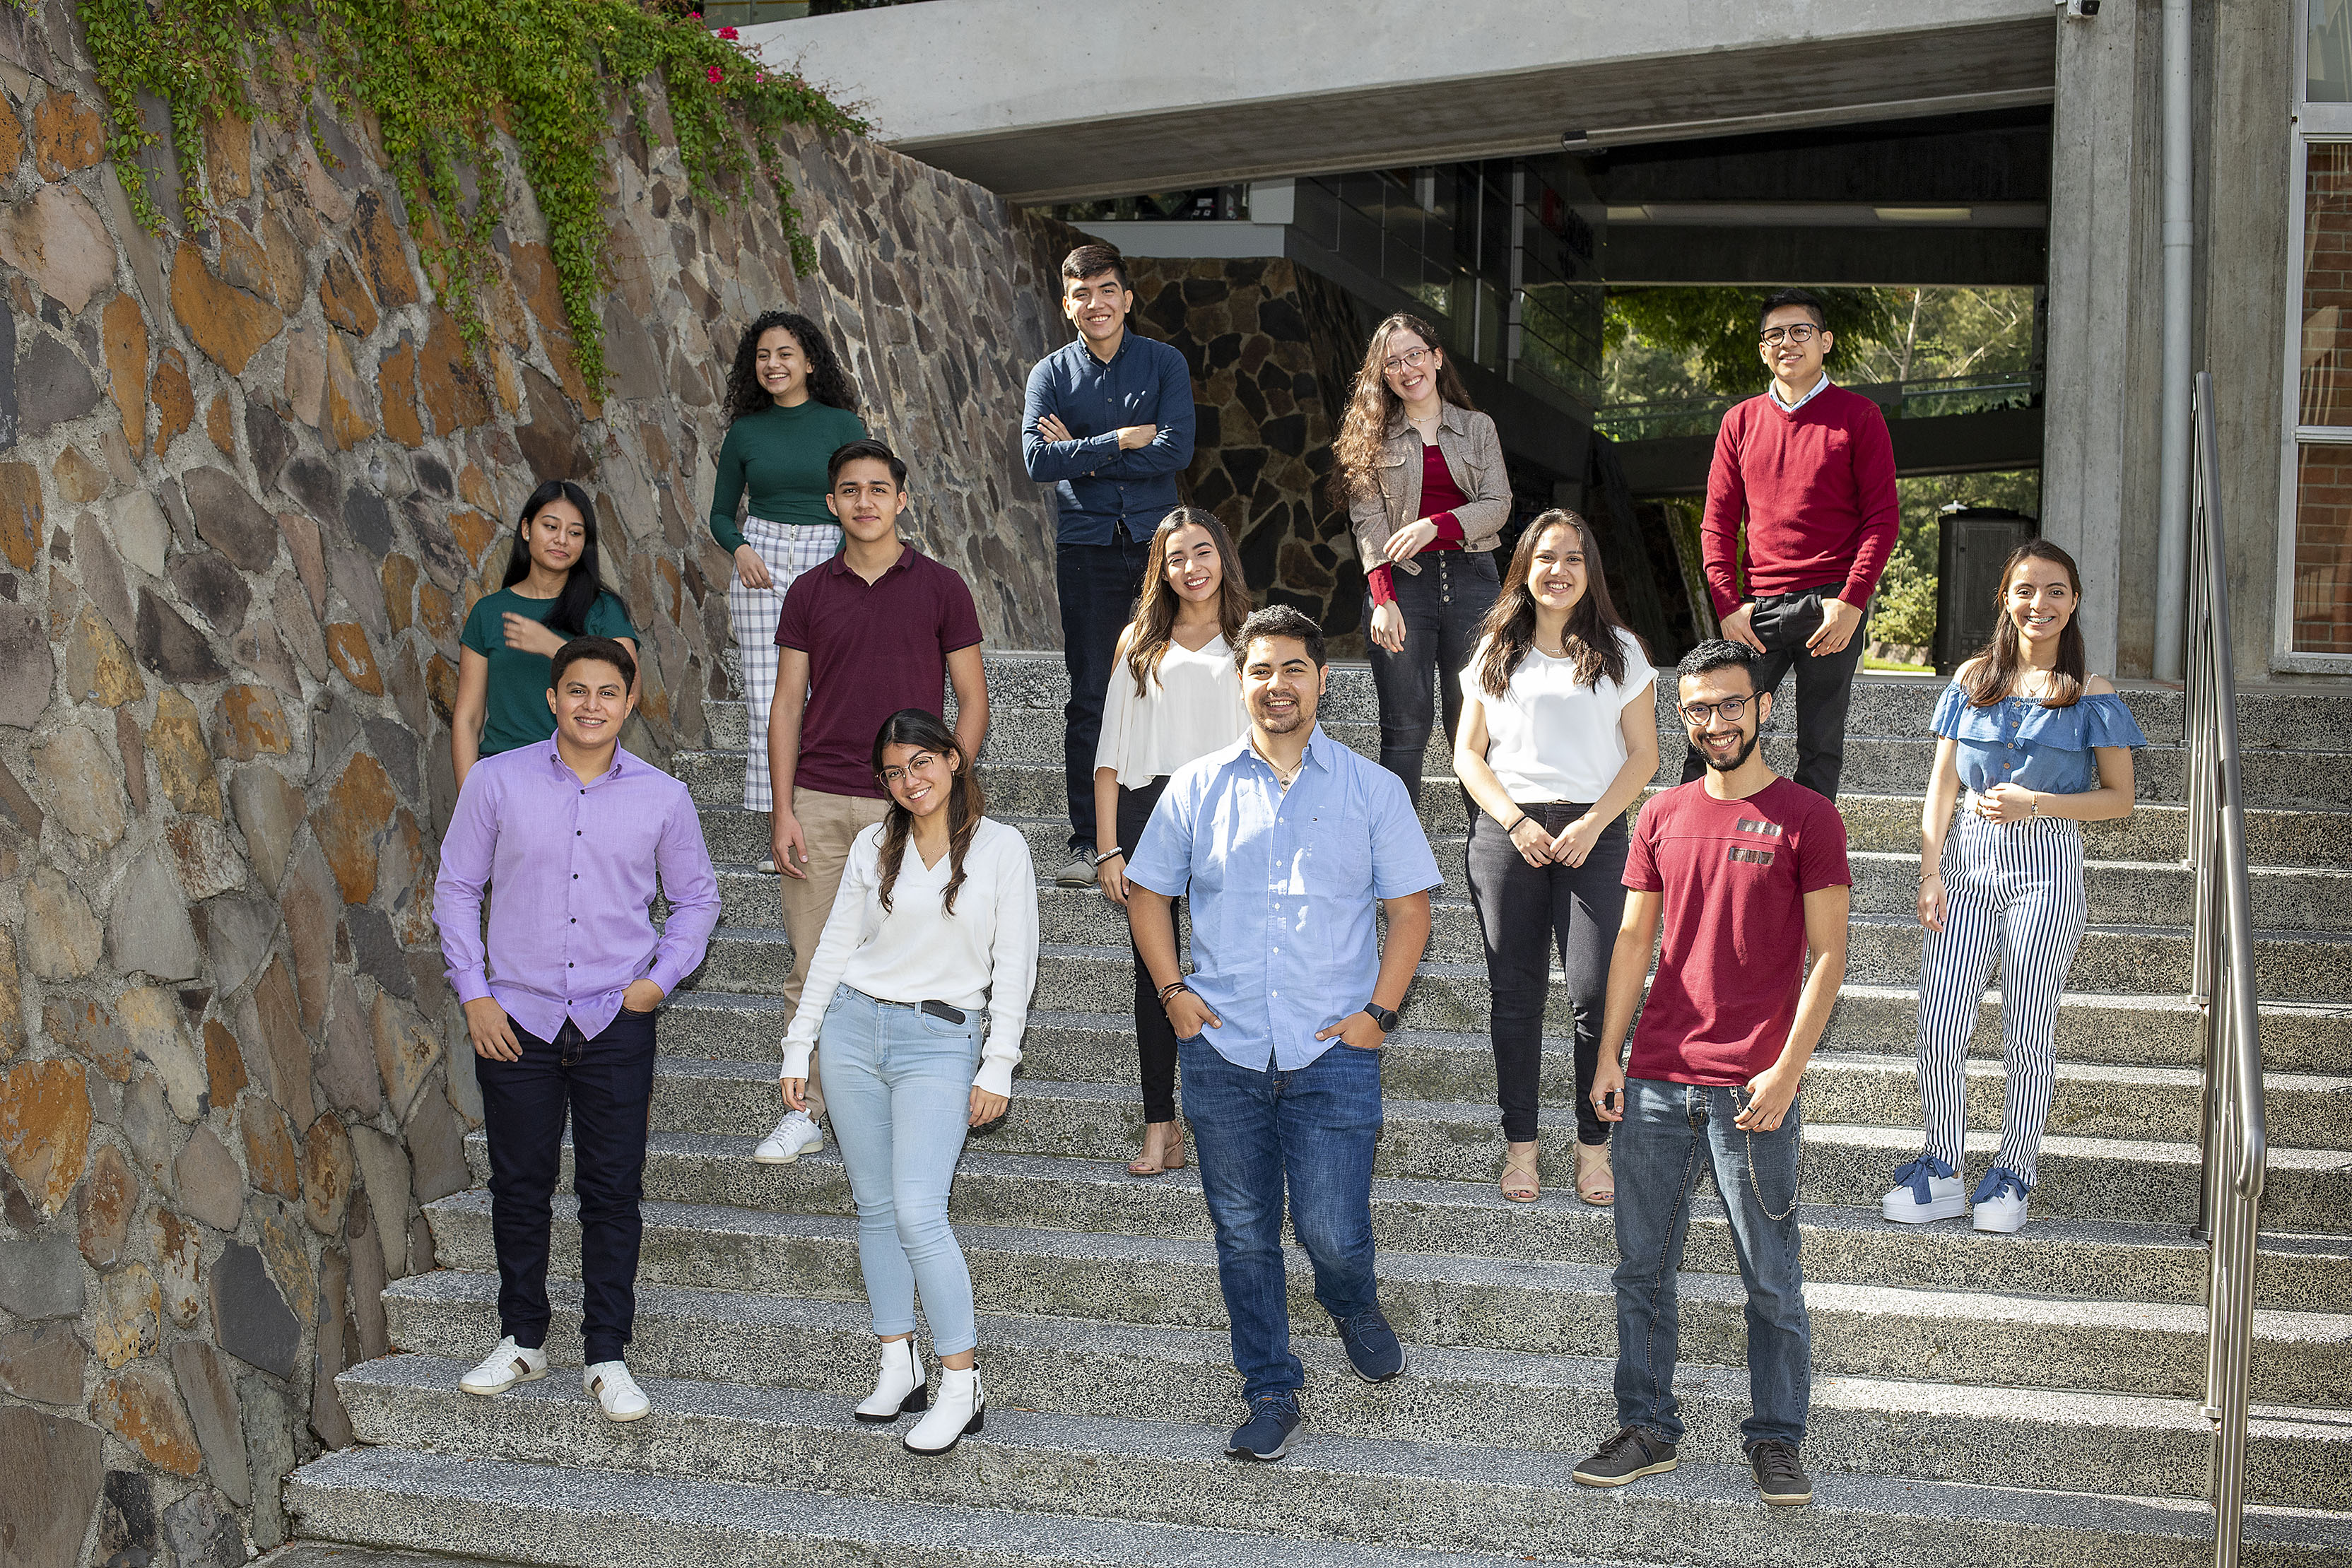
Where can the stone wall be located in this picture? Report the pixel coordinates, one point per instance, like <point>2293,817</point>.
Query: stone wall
<point>251,479</point>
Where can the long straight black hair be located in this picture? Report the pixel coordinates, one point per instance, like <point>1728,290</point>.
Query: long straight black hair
<point>569,615</point>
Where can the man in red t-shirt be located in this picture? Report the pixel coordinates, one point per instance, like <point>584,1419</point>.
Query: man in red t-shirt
<point>880,627</point>
<point>1748,871</point>
<point>1807,469</point>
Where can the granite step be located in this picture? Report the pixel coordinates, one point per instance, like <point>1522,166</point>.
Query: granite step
<point>1525,1305</point>
<point>2092,1258</point>
<point>2083,1178</point>
<point>2120,1030</point>
<point>1855,1088</point>
<point>1171,1356</point>
<point>2297,899</point>
<point>571,1515</point>
<point>1391,1491</point>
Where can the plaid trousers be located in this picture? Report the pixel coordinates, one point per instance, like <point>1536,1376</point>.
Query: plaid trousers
<point>790,549</point>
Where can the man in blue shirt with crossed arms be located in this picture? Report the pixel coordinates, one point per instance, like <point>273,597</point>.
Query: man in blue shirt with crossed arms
<point>1286,839</point>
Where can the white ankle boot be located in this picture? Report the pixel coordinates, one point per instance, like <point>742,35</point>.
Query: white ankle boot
<point>959,1408</point>
<point>900,1388</point>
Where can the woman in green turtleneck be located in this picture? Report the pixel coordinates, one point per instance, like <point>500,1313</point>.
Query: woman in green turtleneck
<point>790,405</point>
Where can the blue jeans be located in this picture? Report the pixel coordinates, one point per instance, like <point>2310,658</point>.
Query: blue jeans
<point>1443,605</point>
<point>1317,1129</point>
<point>606,1085</point>
<point>1672,1131</point>
<point>898,1082</point>
<point>1096,585</point>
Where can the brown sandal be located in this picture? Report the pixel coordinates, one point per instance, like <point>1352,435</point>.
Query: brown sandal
<point>1595,1183</point>
<point>1171,1159</point>
<point>1526,1188</point>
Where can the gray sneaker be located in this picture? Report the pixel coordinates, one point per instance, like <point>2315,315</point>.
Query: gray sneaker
<point>1079,871</point>
<point>1779,1476</point>
<point>1629,1456</point>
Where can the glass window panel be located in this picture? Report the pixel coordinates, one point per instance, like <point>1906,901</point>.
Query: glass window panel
<point>2322,549</point>
<point>2328,55</point>
<point>2327,377</point>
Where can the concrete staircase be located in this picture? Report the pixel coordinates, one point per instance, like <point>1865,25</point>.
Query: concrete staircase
<point>1980,1399</point>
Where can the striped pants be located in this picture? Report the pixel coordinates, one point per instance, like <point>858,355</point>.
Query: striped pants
<point>2013,892</point>
<point>790,549</point>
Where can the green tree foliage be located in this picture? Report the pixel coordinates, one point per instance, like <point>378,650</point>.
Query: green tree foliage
<point>440,80</point>
<point>1712,331</point>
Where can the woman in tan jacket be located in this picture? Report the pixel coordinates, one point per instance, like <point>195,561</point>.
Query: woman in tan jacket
<point>1421,473</point>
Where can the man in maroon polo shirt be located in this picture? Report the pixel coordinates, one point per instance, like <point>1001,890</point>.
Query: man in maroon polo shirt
<point>1807,467</point>
<point>880,627</point>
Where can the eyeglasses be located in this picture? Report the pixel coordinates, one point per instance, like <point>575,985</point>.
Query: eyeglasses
<point>1729,707</point>
<point>914,764</point>
<point>1799,333</point>
<point>1410,360</point>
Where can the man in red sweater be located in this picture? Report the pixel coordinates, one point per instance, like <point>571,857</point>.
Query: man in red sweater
<point>1808,468</point>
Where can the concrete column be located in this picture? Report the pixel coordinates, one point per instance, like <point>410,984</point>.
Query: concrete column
<point>2099,467</point>
<point>2246,92</point>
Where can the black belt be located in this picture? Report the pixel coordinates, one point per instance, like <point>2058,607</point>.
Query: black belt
<point>937,1009</point>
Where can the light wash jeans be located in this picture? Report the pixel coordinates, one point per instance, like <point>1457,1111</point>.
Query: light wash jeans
<point>1671,1132</point>
<point>899,1086</point>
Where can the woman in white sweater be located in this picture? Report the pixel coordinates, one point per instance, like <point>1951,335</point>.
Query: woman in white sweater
<point>1173,696</point>
<point>920,989</point>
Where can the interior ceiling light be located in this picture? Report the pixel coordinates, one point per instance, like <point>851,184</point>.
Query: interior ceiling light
<point>1628,215</point>
<point>1924,215</point>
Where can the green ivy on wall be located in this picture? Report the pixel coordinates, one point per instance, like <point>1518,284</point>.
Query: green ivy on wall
<point>441,78</point>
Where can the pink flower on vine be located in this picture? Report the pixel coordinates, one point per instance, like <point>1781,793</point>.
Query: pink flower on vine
<point>759,77</point>
<point>714,76</point>
<point>729,34</point>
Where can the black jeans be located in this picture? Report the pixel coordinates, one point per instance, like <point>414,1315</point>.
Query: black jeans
<point>1524,914</point>
<point>607,1085</point>
<point>1155,1037</point>
<point>1097,585</point>
<point>1443,607</point>
<point>1824,684</point>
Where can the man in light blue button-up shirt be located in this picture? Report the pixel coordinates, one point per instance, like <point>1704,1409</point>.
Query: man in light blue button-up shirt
<point>1285,840</point>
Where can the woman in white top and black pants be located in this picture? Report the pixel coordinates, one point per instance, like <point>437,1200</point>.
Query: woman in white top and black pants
<point>1560,733</point>
<point>1174,695</point>
<point>920,986</point>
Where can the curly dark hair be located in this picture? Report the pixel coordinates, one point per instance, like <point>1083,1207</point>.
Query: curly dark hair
<point>828,381</point>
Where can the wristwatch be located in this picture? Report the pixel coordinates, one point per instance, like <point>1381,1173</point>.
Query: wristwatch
<point>1384,1017</point>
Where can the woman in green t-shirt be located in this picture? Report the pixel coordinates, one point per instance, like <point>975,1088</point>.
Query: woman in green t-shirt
<point>790,405</point>
<point>551,594</point>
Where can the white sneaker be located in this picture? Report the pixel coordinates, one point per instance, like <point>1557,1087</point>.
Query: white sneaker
<point>795,1135</point>
<point>504,1367</point>
<point>615,1392</point>
<point>1924,1189</point>
<point>2001,1201</point>
<point>767,868</point>
<point>962,1407</point>
<point>899,1389</point>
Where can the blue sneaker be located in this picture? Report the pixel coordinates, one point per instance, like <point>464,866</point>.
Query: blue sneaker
<point>1267,1434</point>
<point>1374,1348</point>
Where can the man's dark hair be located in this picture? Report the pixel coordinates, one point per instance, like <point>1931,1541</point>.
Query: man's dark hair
<point>1781,298</point>
<point>1092,261</point>
<point>867,449</point>
<point>1279,621</point>
<point>1717,655</point>
<point>580,648</point>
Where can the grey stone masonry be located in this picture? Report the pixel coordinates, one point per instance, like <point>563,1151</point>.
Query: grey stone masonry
<point>1978,1398</point>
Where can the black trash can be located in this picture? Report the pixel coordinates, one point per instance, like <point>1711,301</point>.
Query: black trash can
<point>1974,543</point>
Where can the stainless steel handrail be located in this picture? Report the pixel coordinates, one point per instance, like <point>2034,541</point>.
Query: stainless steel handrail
<point>2235,1143</point>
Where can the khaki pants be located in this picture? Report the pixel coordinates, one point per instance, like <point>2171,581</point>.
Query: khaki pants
<point>829,823</point>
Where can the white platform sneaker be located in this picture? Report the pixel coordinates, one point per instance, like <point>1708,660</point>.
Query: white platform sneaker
<point>795,1135</point>
<point>615,1392</point>
<point>901,1388</point>
<point>1924,1189</point>
<point>2001,1201</point>
<point>504,1367</point>
<point>961,1407</point>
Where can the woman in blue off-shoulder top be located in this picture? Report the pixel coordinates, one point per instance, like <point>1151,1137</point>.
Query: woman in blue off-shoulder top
<point>2029,748</point>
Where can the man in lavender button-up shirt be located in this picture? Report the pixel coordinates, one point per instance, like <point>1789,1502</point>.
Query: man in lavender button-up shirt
<point>573,833</point>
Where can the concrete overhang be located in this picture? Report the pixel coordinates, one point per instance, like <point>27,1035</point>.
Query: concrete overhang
<point>1042,100</point>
